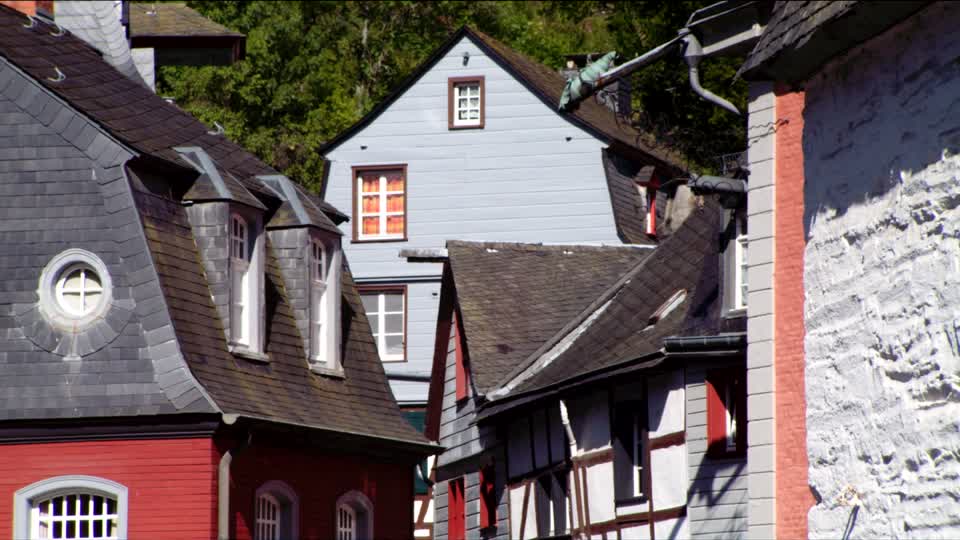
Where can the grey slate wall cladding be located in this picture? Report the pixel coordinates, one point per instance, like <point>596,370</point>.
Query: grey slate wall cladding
<point>207,220</point>
<point>717,499</point>
<point>62,186</point>
<point>289,250</point>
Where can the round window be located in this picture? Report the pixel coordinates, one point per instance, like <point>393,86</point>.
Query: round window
<point>79,290</point>
<point>75,290</point>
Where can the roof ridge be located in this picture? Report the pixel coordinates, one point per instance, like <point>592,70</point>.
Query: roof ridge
<point>606,295</point>
<point>540,246</point>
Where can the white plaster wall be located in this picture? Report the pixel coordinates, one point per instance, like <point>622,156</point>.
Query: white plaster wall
<point>600,492</point>
<point>882,280</point>
<point>666,407</point>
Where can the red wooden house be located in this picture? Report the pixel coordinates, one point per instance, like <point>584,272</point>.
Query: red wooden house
<point>184,353</point>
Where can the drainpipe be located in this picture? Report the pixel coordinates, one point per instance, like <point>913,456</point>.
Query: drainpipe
<point>693,53</point>
<point>223,481</point>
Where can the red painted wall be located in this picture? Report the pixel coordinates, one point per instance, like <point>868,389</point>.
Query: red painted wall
<point>171,483</point>
<point>793,494</point>
<point>319,480</point>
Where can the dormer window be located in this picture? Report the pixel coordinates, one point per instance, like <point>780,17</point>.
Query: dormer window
<point>735,263</point>
<point>465,102</point>
<point>740,262</point>
<point>318,291</point>
<point>323,267</point>
<point>245,283</point>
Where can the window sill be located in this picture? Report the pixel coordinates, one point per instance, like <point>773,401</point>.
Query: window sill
<point>631,501</point>
<point>457,128</point>
<point>336,373</point>
<point>247,354</point>
<point>376,240</point>
<point>735,313</point>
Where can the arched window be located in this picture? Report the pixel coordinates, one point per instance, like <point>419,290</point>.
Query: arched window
<point>71,507</point>
<point>277,512</point>
<point>354,517</point>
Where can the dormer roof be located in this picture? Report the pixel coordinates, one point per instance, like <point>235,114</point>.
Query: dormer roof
<point>170,147</point>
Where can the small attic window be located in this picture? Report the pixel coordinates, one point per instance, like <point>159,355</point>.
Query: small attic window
<point>246,276</point>
<point>465,102</point>
<point>667,307</point>
<point>323,262</point>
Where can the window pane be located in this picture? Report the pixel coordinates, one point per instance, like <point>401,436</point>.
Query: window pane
<point>374,323</point>
<point>370,303</point>
<point>371,225</point>
<point>371,204</point>
<point>395,183</point>
<point>462,115</point>
<point>475,102</point>
<point>395,203</point>
<point>371,184</point>
<point>394,344</point>
<point>393,323</point>
<point>394,302</point>
<point>395,224</point>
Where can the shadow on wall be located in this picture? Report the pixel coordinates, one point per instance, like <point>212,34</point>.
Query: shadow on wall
<point>873,120</point>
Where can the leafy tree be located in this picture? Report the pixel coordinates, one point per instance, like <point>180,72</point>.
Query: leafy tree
<point>313,68</point>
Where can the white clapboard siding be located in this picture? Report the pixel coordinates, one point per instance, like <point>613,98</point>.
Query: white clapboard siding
<point>717,505</point>
<point>528,176</point>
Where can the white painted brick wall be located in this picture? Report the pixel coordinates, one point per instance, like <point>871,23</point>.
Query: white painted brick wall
<point>882,280</point>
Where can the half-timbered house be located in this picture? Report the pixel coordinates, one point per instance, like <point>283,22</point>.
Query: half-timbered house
<point>184,352</point>
<point>592,392</point>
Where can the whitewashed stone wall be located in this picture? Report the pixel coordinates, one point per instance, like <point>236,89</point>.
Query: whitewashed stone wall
<point>882,279</point>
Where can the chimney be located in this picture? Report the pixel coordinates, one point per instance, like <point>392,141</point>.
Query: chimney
<point>42,8</point>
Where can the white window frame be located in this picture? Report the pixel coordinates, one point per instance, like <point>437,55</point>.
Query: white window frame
<point>286,523</point>
<point>730,416</point>
<point>246,283</point>
<point>26,500</point>
<point>380,337</point>
<point>383,195</point>
<point>467,85</point>
<point>318,297</point>
<point>740,264</point>
<point>362,509</point>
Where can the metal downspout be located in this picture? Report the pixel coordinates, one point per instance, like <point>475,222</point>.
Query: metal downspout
<point>223,483</point>
<point>693,53</point>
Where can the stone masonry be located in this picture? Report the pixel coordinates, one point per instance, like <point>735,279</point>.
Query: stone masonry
<point>882,278</point>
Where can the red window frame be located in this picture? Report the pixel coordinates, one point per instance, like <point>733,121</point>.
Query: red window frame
<point>456,515</point>
<point>730,382</point>
<point>462,374</point>
<point>488,497</point>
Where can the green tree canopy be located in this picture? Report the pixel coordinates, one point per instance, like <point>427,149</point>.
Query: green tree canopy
<point>313,68</point>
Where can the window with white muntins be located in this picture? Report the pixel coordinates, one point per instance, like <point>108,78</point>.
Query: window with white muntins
<point>323,280</point>
<point>381,204</point>
<point>79,290</point>
<point>354,517</point>
<point>276,512</point>
<point>467,104</point>
<point>386,312</point>
<point>71,507</point>
<point>245,283</point>
<point>741,266</point>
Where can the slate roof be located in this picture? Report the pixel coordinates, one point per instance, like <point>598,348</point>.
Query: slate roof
<point>513,297</point>
<point>628,204</point>
<point>97,23</point>
<point>545,83</point>
<point>283,391</point>
<point>803,35</point>
<point>129,111</point>
<point>622,332</point>
<point>172,19</point>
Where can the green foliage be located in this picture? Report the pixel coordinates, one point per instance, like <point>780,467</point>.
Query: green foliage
<point>313,68</point>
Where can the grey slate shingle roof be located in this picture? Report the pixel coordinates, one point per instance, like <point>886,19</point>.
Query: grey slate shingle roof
<point>802,35</point>
<point>282,391</point>
<point>688,260</point>
<point>513,297</point>
<point>628,204</point>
